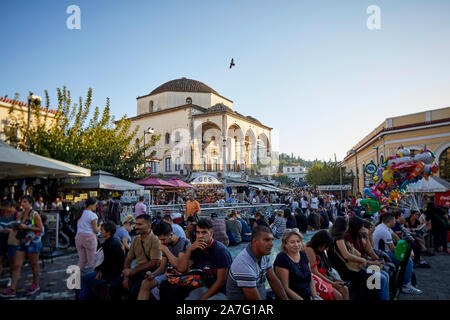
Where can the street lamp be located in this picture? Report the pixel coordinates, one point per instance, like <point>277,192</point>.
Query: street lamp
<point>31,99</point>
<point>357,171</point>
<point>148,131</point>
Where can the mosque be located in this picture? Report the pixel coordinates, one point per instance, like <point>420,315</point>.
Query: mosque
<point>201,133</point>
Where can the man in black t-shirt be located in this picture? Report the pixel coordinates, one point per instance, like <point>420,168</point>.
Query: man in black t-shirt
<point>213,258</point>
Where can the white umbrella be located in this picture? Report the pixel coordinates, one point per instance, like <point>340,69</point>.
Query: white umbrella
<point>18,164</point>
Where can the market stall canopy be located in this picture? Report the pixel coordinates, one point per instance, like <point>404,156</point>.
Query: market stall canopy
<point>434,184</point>
<point>104,180</point>
<point>19,164</point>
<point>179,184</point>
<point>206,179</point>
<point>260,187</point>
<point>154,182</point>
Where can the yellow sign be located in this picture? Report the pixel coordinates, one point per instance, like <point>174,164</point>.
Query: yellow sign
<point>93,194</point>
<point>77,199</point>
<point>69,197</point>
<point>83,196</point>
<point>115,194</point>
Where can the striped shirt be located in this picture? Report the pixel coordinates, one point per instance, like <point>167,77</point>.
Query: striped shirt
<point>247,272</point>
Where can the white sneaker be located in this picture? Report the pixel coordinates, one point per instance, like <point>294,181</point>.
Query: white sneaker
<point>411,290</point>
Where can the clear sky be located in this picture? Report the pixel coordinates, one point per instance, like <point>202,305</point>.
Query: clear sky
<point>310,69</point>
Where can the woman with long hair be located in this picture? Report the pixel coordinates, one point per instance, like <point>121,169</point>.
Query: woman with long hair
<point>86,237</point>
<point>347,261</point>
<point>315,251</point>
<point>28,233</point>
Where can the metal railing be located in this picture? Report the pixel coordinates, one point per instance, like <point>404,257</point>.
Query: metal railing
<point>245,209</point>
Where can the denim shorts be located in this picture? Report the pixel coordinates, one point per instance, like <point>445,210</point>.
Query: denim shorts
<point>33,247</point>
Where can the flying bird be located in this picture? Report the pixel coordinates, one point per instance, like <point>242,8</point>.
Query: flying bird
<point>232,63</point>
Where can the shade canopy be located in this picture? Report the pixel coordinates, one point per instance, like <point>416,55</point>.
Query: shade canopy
<point>434,184</point>
<point>206,179</point>
<point>104,180</point>
<point>19,164</point>
<point>179,183</point>
<point>154,182</point>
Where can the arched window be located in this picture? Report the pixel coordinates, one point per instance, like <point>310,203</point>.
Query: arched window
<point>177,137</point>
<point>444,164</point>
<point>167,138</point>
<point>150,106</point>
<point>188,100</point>
<point>381,159</point>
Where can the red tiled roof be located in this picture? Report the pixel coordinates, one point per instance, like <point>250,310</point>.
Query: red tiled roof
<point>23,104</point>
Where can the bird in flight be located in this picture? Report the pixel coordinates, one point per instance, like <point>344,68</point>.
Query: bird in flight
<point>232,63</point>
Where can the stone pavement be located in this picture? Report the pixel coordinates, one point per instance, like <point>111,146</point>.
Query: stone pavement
<point>435,282</point>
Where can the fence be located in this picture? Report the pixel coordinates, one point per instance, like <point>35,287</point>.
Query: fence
<point>178,210</point>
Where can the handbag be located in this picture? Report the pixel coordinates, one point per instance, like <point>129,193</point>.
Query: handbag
<point>351,265</point>
<point>188,279</point>
<point>99,257</point>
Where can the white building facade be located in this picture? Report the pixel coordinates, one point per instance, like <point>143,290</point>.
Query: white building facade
<point>295,173</point>
<point>200,132</point>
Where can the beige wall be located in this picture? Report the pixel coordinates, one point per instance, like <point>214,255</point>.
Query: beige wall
<point>171,99</point>
<point>436,139</point>
<point>20,112</point>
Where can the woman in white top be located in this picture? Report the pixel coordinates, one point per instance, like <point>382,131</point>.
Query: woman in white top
<point>86,238</point>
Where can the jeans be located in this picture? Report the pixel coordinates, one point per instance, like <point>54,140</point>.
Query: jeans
<point>409,267</point>
<point>87,282</point>
<point>196,294</point>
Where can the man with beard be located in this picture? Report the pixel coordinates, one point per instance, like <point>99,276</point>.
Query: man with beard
<point>145,249</point>
<point>249,270</point>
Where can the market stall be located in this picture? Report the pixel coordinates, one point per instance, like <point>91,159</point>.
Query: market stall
<point>208,187</point>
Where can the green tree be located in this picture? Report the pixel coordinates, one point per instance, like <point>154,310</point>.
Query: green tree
<point>69,134</point>
<point>326,174</point>
<point>283,179</point>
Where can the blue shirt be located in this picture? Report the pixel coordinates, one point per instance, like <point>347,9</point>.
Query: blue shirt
<point>299,273</point>
<point>178,231</point>
<point>245,227</point>
<point>122,233</point>
<point>209,260</point>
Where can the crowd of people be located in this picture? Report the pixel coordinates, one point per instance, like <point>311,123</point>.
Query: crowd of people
<point>147,257</point>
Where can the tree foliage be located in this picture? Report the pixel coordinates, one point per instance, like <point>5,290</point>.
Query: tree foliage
<point>98,142</point>
<point>283,179</point>
<point>326,174</point>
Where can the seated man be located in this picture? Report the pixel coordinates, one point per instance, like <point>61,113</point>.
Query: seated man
<point>219,229</point>
<point>110,270</point>
<point>172,247</point>
<point>416,247</point>
<point>212,257</point>
<point>249,270</point>
<point>176,228</point>
<point>234,228</point>
<point>145,249</point>
<point>382,238</point>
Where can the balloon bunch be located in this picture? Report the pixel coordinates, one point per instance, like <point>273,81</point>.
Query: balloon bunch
<point>395,174</point>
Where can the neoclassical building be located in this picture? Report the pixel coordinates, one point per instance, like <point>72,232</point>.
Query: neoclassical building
<point>200,131</point>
